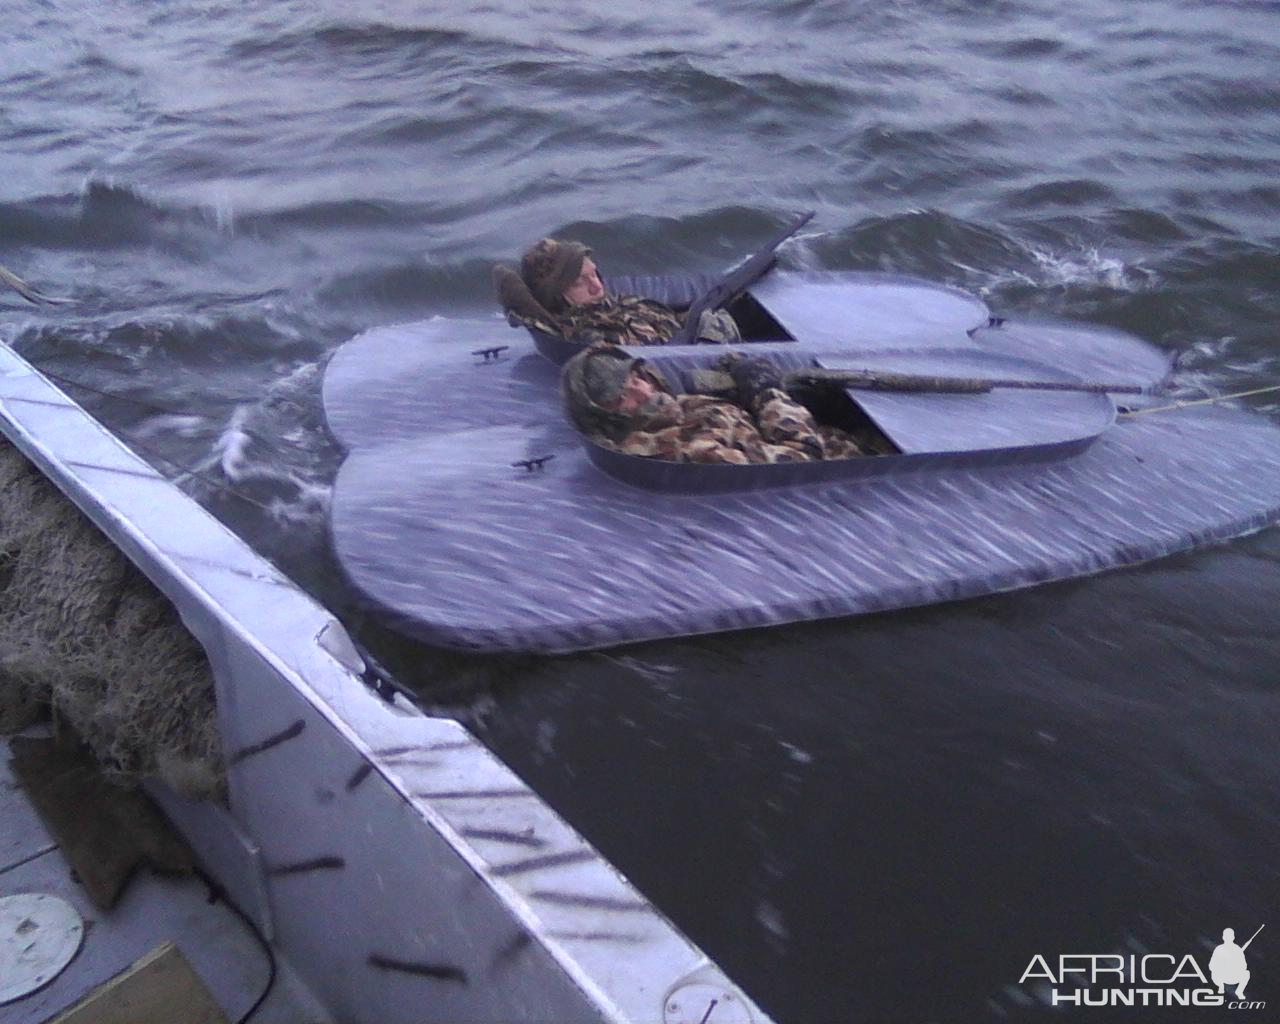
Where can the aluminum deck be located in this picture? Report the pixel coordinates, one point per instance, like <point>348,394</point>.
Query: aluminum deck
<point>152,910</point>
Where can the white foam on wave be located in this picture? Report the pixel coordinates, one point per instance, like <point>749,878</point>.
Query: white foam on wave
<point>1091,267</point>
<point>309,503</point>
<point>798,252</point>
<point>168,425</point>
<point>1087,266</point>
<point>231,448</point>
<point>269,452</point>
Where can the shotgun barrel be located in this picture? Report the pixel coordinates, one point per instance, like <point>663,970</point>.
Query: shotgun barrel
<point>718,382</point>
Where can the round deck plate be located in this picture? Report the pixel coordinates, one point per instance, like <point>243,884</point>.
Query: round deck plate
<point>39,936</point>
<point>701,1002</point>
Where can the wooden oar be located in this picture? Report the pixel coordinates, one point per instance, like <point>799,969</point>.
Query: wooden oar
<point>717,382</point>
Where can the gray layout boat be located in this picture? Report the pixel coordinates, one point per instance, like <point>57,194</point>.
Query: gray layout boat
<point>471,514</point>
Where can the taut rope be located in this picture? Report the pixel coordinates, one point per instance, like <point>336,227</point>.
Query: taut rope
<point>1201,401</point>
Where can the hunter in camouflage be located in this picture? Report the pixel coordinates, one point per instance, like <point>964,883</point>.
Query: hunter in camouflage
<point>614,399</point>
<point>559,291</point>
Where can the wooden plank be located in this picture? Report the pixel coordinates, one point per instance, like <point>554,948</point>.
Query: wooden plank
<point>160,988</point>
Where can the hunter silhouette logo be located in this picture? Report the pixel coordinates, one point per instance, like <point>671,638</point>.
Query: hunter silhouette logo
<point>1153,979</point>
<point>1228,966</point>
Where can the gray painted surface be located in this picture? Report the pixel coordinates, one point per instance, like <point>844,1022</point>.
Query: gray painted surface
<point>1000,419</point>
<point>435,524</point>
<point>832,310</point>
<point>153,909</point>
<point>23,836</point>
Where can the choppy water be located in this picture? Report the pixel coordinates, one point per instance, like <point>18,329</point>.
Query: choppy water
<point>880,819</point>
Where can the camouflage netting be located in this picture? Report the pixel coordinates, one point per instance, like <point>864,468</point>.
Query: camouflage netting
<point>85,636</point>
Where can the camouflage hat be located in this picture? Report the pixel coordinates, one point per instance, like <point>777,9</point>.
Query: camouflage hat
<point>604,377</point>
<point>551,266</point>
<point>590,383</point>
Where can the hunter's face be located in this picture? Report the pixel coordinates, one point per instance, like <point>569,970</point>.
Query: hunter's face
<point>635,392</point>
<point>587,288</point>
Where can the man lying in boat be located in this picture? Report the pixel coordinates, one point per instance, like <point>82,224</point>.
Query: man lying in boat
<point>614,399</point>
<point>559,291</point>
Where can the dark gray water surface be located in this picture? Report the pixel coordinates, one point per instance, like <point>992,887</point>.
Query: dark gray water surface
<point>877,819</point>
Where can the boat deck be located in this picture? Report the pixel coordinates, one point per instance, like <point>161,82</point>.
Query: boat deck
<point>152,910</point>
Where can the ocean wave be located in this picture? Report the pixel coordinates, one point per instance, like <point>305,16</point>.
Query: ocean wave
<point>662,82</point>
<point>703,240</point>
<point>353,212</point>
<point>365,46</point>
<point>174,342</point>
<point>1073,192</point>
<point>1146,226</point>
<point>1057,274</point>
<point>1241,264</point>
<point>1022,48</point>
<point>109,214</point>
<point>1231,96</point>
<point>358,39</point>
<point>1088,266</point>
<point>1081,281</point>
<point>271,453</point>
<point>927,243</point>
<point>103,215</point>
<point>96,61</point>
<point>410,289</point>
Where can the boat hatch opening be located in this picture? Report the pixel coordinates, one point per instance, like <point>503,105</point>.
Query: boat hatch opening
<point>755,322</point>
<point>834,407</point>
<point>831,406</point>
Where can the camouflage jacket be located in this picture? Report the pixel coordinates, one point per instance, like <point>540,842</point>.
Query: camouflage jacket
<point>699,428</point>
<point>628,320</point>
<point>614,320</point>
<point>620,320</point>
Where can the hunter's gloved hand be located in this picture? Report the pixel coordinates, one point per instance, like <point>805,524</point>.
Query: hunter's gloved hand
<point>716,327</point>
<point>751,376</point>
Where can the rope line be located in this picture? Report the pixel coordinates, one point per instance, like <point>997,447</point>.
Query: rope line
<point>190,471</point>
<point>1201,401</point>
<point>202,475</point>
<point>141,403</point>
